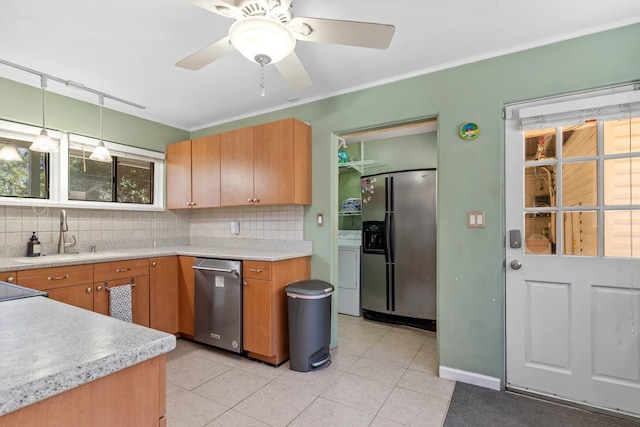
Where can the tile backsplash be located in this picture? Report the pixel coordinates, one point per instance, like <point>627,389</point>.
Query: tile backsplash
<point>109,229</point>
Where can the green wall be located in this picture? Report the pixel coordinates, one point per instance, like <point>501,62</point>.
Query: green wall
<point>470,174</point>
<point>23,103</point>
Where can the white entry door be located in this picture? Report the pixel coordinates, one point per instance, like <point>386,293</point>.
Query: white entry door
<point>572,182</point>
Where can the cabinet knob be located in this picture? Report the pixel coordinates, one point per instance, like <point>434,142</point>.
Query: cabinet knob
<point>10,279</point>
<point>153,264</point>
<point>256,200</point>
<point>249,200</point>
<point>99,288</point>
<point>244,283</point>
<point>89,290</point>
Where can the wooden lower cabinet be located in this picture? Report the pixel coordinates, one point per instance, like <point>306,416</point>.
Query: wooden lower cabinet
<point>139,297</point>
<point>135,396</point>
<point>78,295</point>
<point>8,276</point>
<point>265,319</point>
<point>186,290</point>
<point>71,284</point>
<point>163,294</point>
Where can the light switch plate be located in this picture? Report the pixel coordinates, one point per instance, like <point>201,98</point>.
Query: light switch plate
<point>475,219</point>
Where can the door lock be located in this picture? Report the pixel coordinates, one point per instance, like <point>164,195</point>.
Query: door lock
<point>515,264</point>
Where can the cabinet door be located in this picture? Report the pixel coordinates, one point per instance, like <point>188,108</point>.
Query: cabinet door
<point>236,167</point>
<point>257,317</point>
<point>78,295</point>
<point>205,172</point>
<point>43,279</point>
<point>179,175</point>
<point>163,294</point>
<point>273,162</point>
<point>8,276</point>
<point>139,297</point>
<point>186,295</point>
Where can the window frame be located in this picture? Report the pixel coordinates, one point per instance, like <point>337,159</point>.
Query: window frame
<point>59,170</point>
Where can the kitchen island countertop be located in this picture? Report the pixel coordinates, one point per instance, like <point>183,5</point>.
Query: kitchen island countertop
<point>49,347</point>
<point>224,252</point>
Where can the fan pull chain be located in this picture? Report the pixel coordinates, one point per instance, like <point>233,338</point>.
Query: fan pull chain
<point>262,60</point>
<point>263,91</point>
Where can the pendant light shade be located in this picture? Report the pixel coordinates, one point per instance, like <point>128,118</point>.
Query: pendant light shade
<point>100,153</point>
<point>8,153</point>
<point>43,142</point>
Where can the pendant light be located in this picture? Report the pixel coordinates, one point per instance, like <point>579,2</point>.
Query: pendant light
<point>100,153</point>
<point>43,142</point>
<point>8,153</point>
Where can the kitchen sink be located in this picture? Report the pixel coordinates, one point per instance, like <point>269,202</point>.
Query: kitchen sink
<point>46,259</point>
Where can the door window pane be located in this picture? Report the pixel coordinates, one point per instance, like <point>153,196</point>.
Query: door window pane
<point>134,179</point>
<point>579,184</point>
<point>622,181</point>
<point>579,140</point>
<point>540,186</point>
<point>89,179</point>
<point>622,136</point>
<point>580,233</point>
<point>27,177</point>
<point>540,233</point>
<point>540,144</point>
<point>622,233</point>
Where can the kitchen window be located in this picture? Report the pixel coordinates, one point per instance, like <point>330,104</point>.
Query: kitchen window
<point>124,180</point>
<point>24,177</point>
<point>134,180</point>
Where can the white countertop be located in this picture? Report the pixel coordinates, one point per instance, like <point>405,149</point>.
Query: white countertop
<point>49,347</point>
<point>225,252</point>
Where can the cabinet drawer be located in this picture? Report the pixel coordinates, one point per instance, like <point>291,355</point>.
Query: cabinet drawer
<point>120,269</point>
<point>260,270</point>
<point>55,277</point>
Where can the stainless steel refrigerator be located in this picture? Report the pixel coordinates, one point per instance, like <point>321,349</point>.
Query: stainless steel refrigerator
<point>398,263</point>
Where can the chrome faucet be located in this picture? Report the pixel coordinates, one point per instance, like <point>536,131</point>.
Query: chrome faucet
<point>64,227</point>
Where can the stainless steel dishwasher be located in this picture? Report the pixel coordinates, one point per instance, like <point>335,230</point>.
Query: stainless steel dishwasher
<point>218,303</point>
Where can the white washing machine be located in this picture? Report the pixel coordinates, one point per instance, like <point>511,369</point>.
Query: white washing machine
<point>349,242</point>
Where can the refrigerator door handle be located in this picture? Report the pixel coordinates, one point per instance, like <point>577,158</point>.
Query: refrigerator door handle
<point>392,286</point>
<point>387,223</point>
<point>388,275</point>
<point>391,238</point>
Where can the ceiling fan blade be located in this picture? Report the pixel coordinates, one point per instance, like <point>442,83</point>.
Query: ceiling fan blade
<point>351,33</point>
<point>293,72</point>
<point>221,7</point>
<point>207,55</point>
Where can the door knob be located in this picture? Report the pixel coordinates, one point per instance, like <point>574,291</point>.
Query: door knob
<point>515,264</point>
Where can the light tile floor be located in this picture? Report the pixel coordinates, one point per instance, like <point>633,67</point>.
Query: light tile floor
<point>381,375</point>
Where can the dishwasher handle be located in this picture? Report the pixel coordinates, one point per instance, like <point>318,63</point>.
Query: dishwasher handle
<point>217,270</point>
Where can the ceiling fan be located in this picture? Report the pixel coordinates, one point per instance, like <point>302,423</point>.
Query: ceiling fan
<point>266,31</point>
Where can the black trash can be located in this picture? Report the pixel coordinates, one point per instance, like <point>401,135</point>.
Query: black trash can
<point>309,304</point>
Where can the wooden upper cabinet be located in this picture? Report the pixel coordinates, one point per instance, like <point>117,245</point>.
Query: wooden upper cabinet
<point>179,175</point>
<point>193,173</point>
<point>268,164</point>
<point>205,172</point>
<point>236,167</point>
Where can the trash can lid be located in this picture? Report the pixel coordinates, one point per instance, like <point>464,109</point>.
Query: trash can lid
<point>309,288</point>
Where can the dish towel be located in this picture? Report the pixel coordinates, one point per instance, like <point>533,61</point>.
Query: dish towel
<point>120,302</point>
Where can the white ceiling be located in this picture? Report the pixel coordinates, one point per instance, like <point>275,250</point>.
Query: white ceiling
<point>128,48</point>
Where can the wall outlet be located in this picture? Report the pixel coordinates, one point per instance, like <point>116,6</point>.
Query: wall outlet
<point>235,227</point>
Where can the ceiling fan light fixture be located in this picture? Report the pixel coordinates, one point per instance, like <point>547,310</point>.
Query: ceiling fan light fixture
<point>258,37</point>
